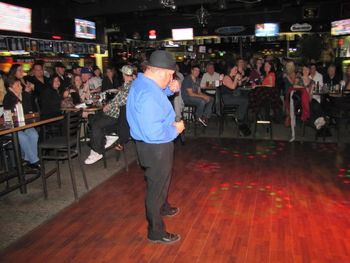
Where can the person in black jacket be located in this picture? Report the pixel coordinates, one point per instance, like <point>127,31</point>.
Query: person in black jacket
<point>110,81</point>
<point>28,138</point>
<point>51,99</point>
<point>39,80</point>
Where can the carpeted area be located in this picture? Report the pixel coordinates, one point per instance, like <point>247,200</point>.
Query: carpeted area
<point>20,213</point>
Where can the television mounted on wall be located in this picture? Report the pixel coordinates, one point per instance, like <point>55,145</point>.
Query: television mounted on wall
<point>182,34</point>
<point>340,27</point>
<point>15,18</point>
<point>85,29</point>
<point>267,30</point>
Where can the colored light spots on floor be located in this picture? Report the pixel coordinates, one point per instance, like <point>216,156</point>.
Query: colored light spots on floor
<point>264,150</point>
<point>205,166</point>
<point>218,195</point>
<point>344,174</point>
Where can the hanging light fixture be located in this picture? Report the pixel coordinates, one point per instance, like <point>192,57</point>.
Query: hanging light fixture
<point>202,16</point>
<point>168,3</point>
<point>222,4</point>
<point>249,1</point>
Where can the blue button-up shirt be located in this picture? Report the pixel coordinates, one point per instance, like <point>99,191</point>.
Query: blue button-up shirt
<point>149,112</point>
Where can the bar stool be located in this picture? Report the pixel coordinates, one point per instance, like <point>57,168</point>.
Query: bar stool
<point>263,117</point>
<point>188,115</point>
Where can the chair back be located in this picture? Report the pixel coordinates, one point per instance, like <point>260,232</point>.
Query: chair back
<point>72,127</point>
<point>218,101</point>
<point>123,126</point>
<point>37,105</point>
<point>221,107</point>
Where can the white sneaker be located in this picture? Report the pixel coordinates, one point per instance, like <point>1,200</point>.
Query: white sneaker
<point>110,140</point>
<point>93,157</point>
<point>319,123</point>
<point>203,122</point>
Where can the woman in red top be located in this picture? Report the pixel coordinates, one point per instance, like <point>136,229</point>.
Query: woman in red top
<point>267,91</point>
<point>269,79</point>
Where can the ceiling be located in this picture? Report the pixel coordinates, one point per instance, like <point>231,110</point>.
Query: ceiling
<point>141,15</point>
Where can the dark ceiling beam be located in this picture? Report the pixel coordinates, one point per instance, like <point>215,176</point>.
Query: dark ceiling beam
<point>115,7</point>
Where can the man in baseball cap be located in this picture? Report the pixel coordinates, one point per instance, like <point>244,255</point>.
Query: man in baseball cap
<point>60,71</point>
<point>112,118</point>
<point>127,70</point>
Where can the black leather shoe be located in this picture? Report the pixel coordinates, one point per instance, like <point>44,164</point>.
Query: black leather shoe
<point>169,238</point>
<point>34,165</point>
<point>172,211</point>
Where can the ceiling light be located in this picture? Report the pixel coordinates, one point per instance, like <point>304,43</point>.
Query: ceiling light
<point>202,16</point>
<point>249,1</point>
<point>222,4</point>
<point>168,3</point>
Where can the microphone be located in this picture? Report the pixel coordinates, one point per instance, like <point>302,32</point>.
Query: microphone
<point>182,134</point>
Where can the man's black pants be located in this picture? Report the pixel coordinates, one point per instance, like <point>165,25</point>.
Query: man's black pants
<point>157,160</point>
<point>100,125</point>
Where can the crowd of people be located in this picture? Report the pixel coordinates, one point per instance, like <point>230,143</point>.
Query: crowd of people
<point>49,95</point>
<point>269,79</point>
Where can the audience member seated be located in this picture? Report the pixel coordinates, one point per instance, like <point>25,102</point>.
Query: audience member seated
<point>39,80</point>
<point>318,117</point>
<point>2,88</point>
<point>74,89</point>
<point>347,78</point>
<point>28,138</point>
<point>255,75</point>
<point>191,94</point>
<point>303,87</point>
<point>70,96</point>
<point>289,77</point>
<point>106,121</point>
<point>96,79</point>
<point>331,78</point>
<point>51,99</point>
<point>83,90</point>
<point>242,69</point>
<point>210,77</point>
<point>17,72</point>
<point>267,91</point>
<point>178,102</point>
<point>231,95</point>
<point>76,69</point>
<point>60,71</point>
<point>316,76</point>
<point>110,81</point>
<point>88,86</point>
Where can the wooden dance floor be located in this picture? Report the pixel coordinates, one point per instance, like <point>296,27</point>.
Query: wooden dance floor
<point>240,200</point>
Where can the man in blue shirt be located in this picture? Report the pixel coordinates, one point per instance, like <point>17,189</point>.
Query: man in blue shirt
<point>152,124</point>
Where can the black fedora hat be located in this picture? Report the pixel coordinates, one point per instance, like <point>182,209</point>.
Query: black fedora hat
<point>162,59</point>
<point>59,65</point>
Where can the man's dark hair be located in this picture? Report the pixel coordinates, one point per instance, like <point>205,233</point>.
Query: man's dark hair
<point>11,81</point>
<point>195,66</point>
<point>38,63</point>
<point>312,64</point>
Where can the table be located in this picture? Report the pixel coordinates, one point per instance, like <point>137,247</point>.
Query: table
<point>31,120</point>
<point>333,93</point>
<point>87,109</point>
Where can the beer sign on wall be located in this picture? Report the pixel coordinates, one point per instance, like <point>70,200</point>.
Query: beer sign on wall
<point>305,27</point>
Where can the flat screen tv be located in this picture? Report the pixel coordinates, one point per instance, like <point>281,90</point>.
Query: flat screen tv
<point>85,29</point>
<point>340,27</point>
<point>267,30</point>
<point>182,34</point>
<point>15,18</point>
